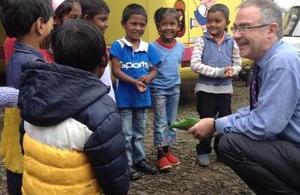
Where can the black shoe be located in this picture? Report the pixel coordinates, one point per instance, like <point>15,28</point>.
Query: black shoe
<point>145,167</point>
<point>133,174</point>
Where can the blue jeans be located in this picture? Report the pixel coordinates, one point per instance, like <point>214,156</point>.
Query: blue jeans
<point>165,106</point>
<point>134,127</point>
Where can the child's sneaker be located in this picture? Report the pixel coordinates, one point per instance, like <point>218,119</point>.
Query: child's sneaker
<point>204,160</point>
<point>163,164</point>
<point>172,159</point>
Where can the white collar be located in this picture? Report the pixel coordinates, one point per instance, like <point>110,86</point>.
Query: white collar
<point>142,47</point>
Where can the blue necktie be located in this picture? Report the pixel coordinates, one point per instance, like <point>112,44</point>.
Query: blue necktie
<point>254,87</point>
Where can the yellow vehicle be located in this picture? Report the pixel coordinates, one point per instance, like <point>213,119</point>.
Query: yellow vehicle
<point>192,22</point>
<point>291,21</point>
<point>192,27</point>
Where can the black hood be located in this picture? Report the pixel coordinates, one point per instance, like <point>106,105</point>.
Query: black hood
<point>51,93</point>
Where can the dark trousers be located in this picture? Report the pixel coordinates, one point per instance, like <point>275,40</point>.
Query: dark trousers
<point>208,105</point>
<point>14,183</point>
<point>267,167</point>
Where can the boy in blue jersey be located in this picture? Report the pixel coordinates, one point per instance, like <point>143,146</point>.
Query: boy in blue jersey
<point>133,64</point>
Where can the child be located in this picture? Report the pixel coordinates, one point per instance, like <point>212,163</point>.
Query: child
<point>165,88</point>
<point>70,122</point>
<point>8,97</point>
<point>63,10</point>
<point>30,22</point>
<point>216,58</point>
<point>133,64</point>
<point>96,12</point>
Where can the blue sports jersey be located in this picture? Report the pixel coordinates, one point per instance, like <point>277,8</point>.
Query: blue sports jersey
<point>135,63</point>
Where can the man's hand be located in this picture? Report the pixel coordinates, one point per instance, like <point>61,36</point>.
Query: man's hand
<point>203,129</point>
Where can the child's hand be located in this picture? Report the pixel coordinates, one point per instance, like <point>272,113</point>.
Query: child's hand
<point>140,86</point>
<point>145,79</point>
<point>228,71</point>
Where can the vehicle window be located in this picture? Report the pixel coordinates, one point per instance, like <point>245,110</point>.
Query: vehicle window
<point>292,22</point>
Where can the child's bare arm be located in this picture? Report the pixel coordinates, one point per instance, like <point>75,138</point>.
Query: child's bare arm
<point>148,78</point>
<point>119,74</point>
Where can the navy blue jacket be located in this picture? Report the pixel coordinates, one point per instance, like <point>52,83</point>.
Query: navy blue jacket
<point>50,94</point>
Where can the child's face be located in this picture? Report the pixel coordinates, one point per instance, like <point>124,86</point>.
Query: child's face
<point>48,26</point>
<point>100,21</point>
<point>168,28</point>
<point>75,13</point>
<point>135,27</point>
<point>216,23</point>
<point>45,30</point>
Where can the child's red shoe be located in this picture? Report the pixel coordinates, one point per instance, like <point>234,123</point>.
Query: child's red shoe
<point>163,164</point>
<point>172,159</point>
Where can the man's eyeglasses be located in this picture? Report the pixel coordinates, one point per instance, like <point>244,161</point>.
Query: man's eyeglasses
<point>245,28</point>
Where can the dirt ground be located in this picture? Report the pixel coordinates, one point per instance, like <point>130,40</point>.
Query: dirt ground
<point>188,178</point>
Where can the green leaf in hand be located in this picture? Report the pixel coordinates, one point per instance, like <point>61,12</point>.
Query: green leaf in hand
<point>185,124</point>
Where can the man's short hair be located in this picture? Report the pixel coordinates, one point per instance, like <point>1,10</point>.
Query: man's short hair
<point>18,16</point>
<point>270,13</point>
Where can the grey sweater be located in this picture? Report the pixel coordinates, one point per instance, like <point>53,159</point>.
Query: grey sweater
<point>8,97</point>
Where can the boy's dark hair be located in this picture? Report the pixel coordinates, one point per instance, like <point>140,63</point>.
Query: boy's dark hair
<point>131,9</point>
<point>163,12</point>
<point>79,44</point>
<point>93,7</point>
<point>220,8</point>
<point>64,8</point>
<point>18,16</point>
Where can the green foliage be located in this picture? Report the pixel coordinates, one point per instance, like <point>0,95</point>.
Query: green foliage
<point>185,124</point>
